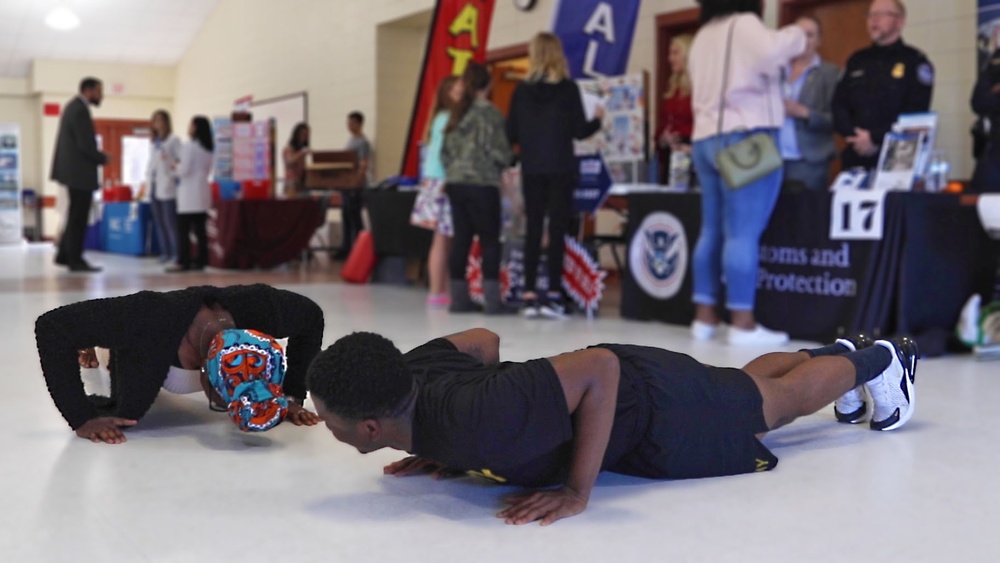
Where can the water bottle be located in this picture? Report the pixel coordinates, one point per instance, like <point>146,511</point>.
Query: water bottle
<point>937,172</point>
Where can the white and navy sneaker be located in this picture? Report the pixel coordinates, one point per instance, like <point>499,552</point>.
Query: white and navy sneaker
<point>852,407</point>
<point>892,392</point>
<point>530,309</point>
<point>552,308</point>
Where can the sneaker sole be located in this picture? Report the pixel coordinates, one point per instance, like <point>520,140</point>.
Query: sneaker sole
<point>908,348</point>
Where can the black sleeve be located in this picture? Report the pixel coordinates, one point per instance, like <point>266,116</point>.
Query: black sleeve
<point>284,314</point>
<point>61,333</point>
<point>582,128</point>
<point>843,121</point>
<point>84,138</point>
<point>512,116</point>
<point>919,87</point>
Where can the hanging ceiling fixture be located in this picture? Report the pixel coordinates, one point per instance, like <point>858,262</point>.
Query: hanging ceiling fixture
<point>62,18</point>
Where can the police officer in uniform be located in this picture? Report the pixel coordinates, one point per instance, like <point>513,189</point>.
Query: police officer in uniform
<point>986,104</point>
<point>880,83</point>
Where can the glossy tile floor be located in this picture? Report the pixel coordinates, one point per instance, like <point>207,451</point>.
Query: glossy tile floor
<point>188,487</point>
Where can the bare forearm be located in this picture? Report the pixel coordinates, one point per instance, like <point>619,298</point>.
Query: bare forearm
<point>590,382</point>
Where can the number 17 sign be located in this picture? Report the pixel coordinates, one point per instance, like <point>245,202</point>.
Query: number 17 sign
<point>857,214</point>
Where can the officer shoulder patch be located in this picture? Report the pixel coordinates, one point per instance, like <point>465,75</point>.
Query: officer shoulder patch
<point>925,74</point>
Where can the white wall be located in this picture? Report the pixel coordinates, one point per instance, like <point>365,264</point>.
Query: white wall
<point>399,57</point>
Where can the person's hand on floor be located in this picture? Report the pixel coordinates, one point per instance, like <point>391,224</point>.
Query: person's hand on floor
<point>107,429</point>
<point>300,416</point>
<point>547,506</point>
<point>88,358</point>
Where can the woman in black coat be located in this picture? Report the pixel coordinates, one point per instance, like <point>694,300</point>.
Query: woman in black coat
<point>546,115</point>
<point>152,334</point>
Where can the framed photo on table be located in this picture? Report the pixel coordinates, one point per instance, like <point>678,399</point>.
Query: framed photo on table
<point>897,165</point>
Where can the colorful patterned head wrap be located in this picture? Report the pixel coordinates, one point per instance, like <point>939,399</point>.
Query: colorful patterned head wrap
<point>247,369</point>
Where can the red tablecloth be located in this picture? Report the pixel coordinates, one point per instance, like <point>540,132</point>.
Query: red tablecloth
<point>245,234</point>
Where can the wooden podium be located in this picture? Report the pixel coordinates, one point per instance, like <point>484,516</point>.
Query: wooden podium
<point>333,170</point>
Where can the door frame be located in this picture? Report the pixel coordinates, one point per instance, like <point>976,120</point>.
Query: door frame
<point>667,25</point>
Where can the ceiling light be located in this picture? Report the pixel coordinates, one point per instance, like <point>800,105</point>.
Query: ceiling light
<point>61,18</point>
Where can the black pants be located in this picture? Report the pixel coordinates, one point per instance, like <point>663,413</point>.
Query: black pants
<point>475,210</point>
<point>552,195</point>
<point>71,243</point>
<point>351,204</point>
<point>187,222</point>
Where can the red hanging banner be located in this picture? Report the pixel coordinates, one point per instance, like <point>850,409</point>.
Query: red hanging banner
<point>459,34</point>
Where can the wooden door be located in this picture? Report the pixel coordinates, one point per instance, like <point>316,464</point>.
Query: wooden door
<point>506,76</point>
<point>111,131</point>
<point>845,31</point>
<point>843,21</point>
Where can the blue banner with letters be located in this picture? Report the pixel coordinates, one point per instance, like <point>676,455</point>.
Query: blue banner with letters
<point>596,34</point>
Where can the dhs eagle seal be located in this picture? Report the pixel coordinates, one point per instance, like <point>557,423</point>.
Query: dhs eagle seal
<point>658,255</point>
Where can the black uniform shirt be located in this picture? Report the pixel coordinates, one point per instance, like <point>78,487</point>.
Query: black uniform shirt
<point>878,85</point>
<point>507,422</point>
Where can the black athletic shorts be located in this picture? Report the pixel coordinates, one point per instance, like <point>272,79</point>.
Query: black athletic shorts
<point>702,420</point>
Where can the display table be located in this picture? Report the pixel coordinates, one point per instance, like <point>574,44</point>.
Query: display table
<point>932,256</point>
<point>393,235</point>
<point>245,234</point>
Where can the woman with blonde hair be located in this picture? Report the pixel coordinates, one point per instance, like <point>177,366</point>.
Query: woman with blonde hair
<point>676,115</point>
<point>546,115</point>
<point>432,210</point>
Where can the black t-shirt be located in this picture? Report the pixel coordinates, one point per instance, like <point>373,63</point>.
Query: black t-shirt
<point>508,422</point>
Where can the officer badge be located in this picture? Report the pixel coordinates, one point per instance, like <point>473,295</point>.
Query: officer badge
<point>899,70</point>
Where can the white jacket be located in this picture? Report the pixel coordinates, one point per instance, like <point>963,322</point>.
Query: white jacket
<point>161,177</point>
<point>193,193</point>
<point>753,98</point>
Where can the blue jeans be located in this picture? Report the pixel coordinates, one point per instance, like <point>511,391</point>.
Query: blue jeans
<point>165,222</point>
<point>732,222</point>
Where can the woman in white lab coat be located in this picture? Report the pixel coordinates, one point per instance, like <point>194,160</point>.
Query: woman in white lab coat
<point>194,196</point>
<point>161,180</point>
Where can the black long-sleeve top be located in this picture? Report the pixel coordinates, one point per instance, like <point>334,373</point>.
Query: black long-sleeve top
<point>544,119</point>
<point>144,332</point>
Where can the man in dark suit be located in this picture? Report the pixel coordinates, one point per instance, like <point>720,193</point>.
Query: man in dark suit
<point>75,166</point>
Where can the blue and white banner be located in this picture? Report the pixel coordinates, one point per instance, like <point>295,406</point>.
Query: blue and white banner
<point>596,34</point>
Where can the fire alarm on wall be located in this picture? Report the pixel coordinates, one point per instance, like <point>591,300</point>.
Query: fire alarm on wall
<point>525,5</point>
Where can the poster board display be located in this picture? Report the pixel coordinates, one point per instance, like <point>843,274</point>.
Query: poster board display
<point>252,151</point>
<point>284,113</point>
<point>622,138</point>
<point>222,130</point>
<point>10,184</point>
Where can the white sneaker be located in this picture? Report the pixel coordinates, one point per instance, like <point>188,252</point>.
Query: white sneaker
<point>530,310</point>
<point>703,332</point>
<point>758,336</point>
<point>552,309</point>
<point>892,392</point>
<point>852,407</point>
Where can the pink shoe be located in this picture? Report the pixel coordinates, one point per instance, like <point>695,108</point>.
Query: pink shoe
<point>439,300</point>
